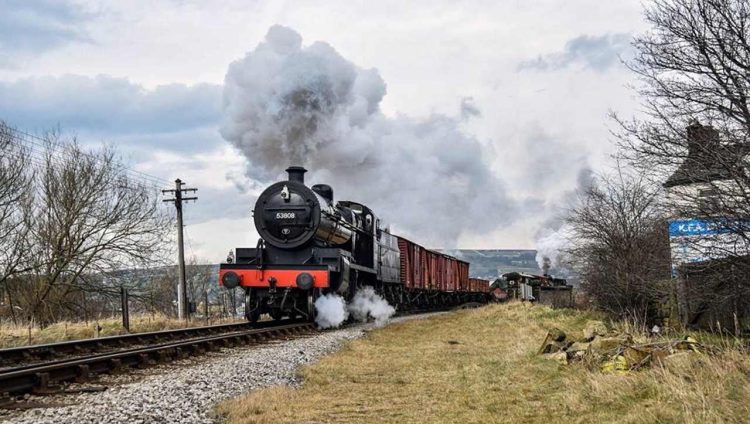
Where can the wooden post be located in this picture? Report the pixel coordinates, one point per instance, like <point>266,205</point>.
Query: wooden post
<point>125,310</point>
<point>205,305</point>
<point>183,311</point>
<point>683,303</point>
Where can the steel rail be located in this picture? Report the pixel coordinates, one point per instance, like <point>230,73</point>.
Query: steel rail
<point>45,377</point>
<point>14,355</point>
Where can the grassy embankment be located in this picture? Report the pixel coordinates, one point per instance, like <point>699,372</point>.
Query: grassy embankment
<point>13,335</point>
<point>480,366</point>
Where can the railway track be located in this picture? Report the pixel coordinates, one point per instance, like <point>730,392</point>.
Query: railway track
<point>42,352</point>
<point>48,368</point>
<point>50,376</point>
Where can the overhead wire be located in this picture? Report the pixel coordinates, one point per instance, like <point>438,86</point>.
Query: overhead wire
<point>42,162</point>
<point>41,143</point>
<point>39,155</point>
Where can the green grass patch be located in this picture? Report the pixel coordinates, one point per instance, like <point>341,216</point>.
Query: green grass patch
<point>480,366</point>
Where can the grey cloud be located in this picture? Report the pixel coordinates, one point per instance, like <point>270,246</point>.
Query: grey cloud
<point>553,156</point>
<point>595,52</point>
<point>112,107</point>
<point>469,109</point>
<point>191,140</point>
<point>223,203</point>
<point>39,25</point>
<point>6,63</point>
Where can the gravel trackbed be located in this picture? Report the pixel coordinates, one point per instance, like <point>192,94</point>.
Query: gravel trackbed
<point>186,391</point>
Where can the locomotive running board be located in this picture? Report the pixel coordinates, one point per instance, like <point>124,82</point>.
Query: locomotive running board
<point>362,268</point>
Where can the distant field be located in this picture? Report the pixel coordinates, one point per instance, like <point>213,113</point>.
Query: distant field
<point>490,263</point>
<point>480,366</point>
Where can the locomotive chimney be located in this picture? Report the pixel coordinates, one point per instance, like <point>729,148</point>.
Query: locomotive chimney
<point>296,173</point>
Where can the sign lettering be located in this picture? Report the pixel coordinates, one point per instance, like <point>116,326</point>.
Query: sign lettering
<point>285,215</point>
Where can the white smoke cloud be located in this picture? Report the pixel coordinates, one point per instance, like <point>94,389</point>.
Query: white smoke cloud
<point>285,104</point>
<point>556,236</point>
<point>331,311</point>
<point>552,244</point>
<point>367,303</point>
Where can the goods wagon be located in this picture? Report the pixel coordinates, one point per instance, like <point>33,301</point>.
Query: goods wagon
<point>433,278</point>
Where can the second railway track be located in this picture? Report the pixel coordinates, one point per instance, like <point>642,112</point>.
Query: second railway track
<point>48,377</point>
<point>10,357</point>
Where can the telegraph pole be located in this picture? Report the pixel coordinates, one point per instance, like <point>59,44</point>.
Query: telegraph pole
<point>182,310</point>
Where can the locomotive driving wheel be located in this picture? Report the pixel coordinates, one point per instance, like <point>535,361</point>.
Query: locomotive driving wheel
<point>312,296</point>
<point>252,308</point>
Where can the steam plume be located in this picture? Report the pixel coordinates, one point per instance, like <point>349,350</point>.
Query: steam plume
<point>550,246</point>
<point>288,104</point>
<point>331,310</point>
<point>367,303</point>
<point>546,265</point>
<point>556,236</point>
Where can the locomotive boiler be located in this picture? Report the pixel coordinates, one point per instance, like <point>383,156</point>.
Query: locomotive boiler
<point>311,245</point>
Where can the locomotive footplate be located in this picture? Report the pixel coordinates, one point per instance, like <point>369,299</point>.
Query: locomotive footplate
<point>277,290</point>
<point>303,277</point>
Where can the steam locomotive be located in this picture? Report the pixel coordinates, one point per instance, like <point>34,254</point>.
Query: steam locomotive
<point>310,246</point>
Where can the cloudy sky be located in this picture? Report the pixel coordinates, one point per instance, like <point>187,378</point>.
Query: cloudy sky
<point>525,85</point>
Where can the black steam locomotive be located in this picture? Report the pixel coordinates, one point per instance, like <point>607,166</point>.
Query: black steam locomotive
<point>311,245</point>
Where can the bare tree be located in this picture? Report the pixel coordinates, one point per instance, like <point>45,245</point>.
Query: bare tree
<point>619,246</point>
<point>161,290</point>
<point>89,219</point>
<point>694,66</point>
<point>15,201</point>
<point>693,135</point>
<point>159,294</point>
<point>200,281</point>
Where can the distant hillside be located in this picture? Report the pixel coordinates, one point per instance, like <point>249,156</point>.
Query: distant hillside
<point>490,263</point>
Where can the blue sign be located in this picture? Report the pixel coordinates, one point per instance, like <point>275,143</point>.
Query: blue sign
<point>693,227</point>
<point>700,240</point>
<point>699,227</point>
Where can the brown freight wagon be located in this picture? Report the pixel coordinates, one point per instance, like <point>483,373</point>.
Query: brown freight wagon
<point>411,264</point>
<point>432,278</point>
<point>480,285</point>
<point>420,267</point>
<point>451,274</point>
<point>463,276</point>
<point>425,263</point>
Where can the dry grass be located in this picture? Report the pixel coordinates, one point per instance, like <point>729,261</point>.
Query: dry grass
<point>479,366</point>
<point>11,335</point>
